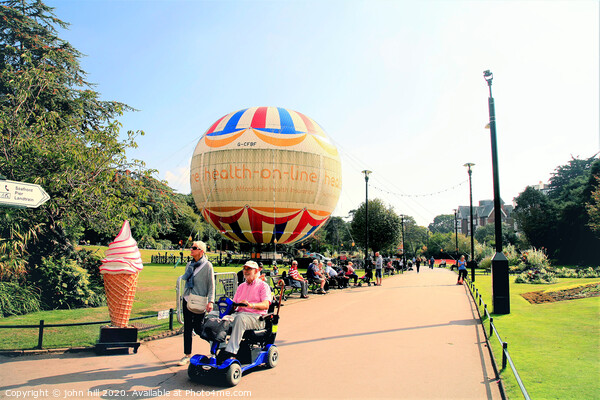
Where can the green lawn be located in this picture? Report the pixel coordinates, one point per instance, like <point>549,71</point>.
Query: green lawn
<point>155,292</point>
<point>554,346</point>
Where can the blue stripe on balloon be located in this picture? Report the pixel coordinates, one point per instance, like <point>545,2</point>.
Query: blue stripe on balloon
<point>311,230</point>
<point>231,125</point>
<point>286,122</point>
<point>287,132</point>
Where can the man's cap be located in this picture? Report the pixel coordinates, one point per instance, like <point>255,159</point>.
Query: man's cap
<point>251,264</point>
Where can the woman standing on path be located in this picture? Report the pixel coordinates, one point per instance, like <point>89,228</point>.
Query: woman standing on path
<point>200,280</point>
<point>462,270</point>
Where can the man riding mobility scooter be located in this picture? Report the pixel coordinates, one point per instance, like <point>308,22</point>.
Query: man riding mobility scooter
<point>256,348</point>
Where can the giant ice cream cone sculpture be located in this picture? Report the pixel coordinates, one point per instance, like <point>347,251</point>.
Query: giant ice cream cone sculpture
<point>120,269</point>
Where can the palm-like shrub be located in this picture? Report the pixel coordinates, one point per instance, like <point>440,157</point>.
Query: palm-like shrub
<point>18,299</point>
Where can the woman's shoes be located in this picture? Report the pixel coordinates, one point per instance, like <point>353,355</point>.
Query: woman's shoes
<point>184,361</point>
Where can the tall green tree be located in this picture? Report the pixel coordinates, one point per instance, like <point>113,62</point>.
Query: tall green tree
<point>443,245</point>
<point>443,224</point>
<point>571,174</point>
<point>536,218</point>
<point>384,226</point>
<point>416,237</point>
<point>593,208</point>
<point>337,234</point>
<point>486,234</point>
<point>560,221</point>
<point>56,131</point>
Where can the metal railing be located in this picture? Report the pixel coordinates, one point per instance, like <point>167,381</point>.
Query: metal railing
<point>43,325</point>
<point>176,258</point>
<point>506,359</point>
<point>225,285</point>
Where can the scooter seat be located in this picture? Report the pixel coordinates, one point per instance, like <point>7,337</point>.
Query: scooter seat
<point>256,335</point>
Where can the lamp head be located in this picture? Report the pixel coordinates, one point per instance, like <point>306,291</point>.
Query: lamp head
<point>488,76</point>
<point>366,172</point>
<point>469,165</point>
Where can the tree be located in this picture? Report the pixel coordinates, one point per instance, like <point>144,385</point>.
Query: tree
<point>415,237</point>
<point>564,176</point>
<point>593,208</point>
<point>337,234</point>
<point>560,222</point>
<point>55,131</point>
<point>443,245</point>
<point>536,218</point>
<point>443,224</point>
<point>486,234</point>
<point>384,226</point>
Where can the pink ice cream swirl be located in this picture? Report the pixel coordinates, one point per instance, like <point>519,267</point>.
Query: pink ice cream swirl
<point>123,255</point>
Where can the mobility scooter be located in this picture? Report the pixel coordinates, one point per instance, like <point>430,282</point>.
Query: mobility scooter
<point>257,348</point>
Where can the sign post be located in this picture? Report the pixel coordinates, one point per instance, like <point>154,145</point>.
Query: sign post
<point>21,194</point>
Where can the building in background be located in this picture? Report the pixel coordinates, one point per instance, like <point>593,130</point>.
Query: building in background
<point>483,214</point>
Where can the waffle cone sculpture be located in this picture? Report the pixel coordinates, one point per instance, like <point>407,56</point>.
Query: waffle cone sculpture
<point>120,269</point>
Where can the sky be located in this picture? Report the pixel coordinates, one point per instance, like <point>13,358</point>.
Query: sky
<point>397,85</point>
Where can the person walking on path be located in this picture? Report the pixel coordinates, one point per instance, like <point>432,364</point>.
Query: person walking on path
<point>199,280</point>
<point>378,268</point>
<point>418,263</point>
<point>431,262</point>
<point>462,270</point>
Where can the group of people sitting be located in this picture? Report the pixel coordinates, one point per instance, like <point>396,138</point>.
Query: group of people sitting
<point>325,276</point>
<point>253,294</point>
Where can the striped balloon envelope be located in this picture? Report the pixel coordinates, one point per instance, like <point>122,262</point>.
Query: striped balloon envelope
<point>266,174</point>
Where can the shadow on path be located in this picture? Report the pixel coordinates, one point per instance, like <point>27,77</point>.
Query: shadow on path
<point>464,322</point>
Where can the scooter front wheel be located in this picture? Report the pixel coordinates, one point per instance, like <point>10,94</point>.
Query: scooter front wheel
<point>233,376</point>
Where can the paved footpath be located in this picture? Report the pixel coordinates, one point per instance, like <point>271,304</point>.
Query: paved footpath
<point>415,337</point>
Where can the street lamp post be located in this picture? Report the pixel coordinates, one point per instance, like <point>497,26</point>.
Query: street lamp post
<point>500,284</point>
<point>456,232</point>
<point>472,260</point>
<point>367,173</point>
<point>403,248</point>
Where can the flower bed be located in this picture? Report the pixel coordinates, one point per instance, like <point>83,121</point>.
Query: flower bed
<point>579,292</point>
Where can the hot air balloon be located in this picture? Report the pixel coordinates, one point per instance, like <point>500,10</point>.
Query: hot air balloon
<point>266,175</point>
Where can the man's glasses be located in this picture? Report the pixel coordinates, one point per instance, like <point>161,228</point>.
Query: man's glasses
<point>248,268</point>
<point>195,248</point>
